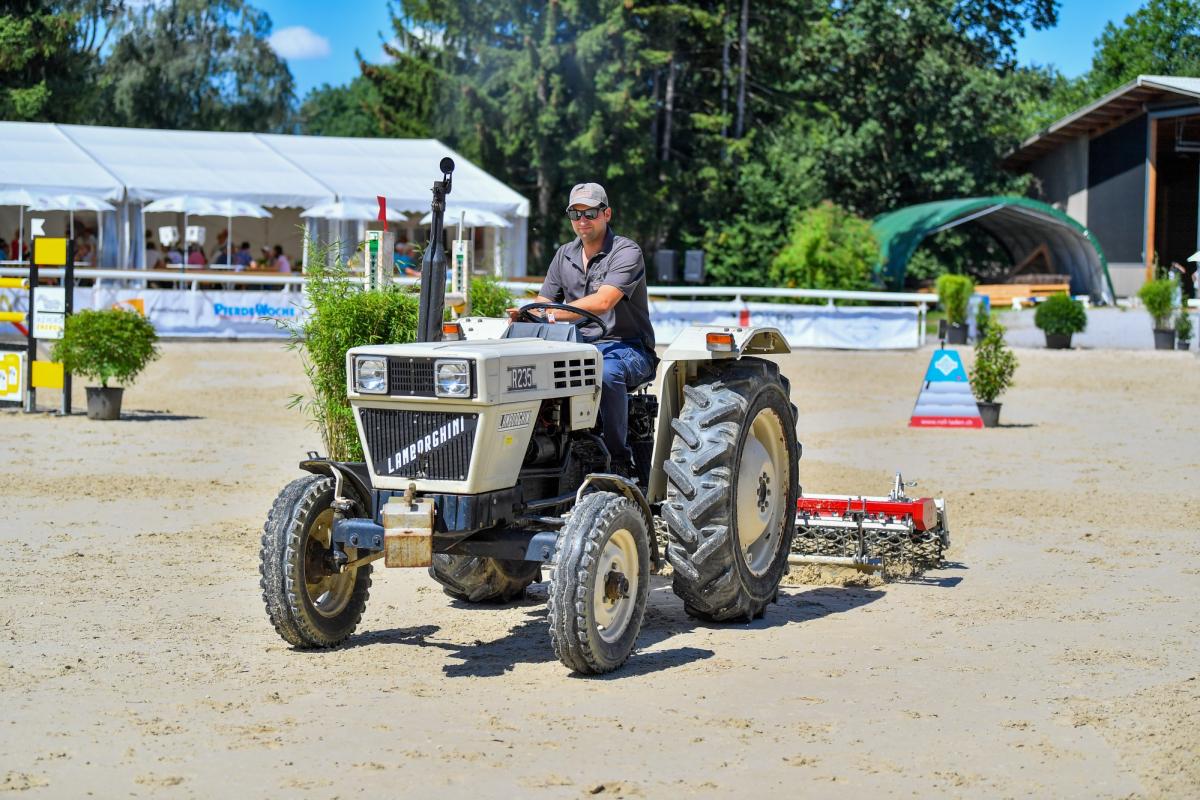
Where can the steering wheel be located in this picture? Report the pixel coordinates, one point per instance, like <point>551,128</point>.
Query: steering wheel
<point>588,316</point>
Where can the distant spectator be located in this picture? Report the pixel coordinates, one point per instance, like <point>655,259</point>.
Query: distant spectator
<point>174,255</point>
<point>154,258</point>
<point>406,259</point>
<point>281,261</point>
<point>16,248</point>
<point>243,257</point>
<point>264,260</point>
<point>196,256</point>
<point>3,247</point>
<point>220,253</point>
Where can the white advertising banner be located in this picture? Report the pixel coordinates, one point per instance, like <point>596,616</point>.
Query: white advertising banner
<point>246,314</point>
<point>838,327</point>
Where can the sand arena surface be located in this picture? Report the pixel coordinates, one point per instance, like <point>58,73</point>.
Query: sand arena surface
<point>1056,656</point>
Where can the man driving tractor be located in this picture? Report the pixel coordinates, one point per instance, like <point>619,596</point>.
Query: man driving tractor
<point>605,274</point>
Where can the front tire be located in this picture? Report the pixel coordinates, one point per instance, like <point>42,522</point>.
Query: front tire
<point>599,584</point>
<point>732,483</point>
<point>477,579</point>
<point>309,603</point>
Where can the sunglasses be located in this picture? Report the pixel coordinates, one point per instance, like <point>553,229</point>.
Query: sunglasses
<point>590,213</point>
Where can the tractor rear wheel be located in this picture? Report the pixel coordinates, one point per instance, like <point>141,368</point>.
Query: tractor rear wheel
<point>732,484</point>
<point>476,579</point>
<point>309,602</point>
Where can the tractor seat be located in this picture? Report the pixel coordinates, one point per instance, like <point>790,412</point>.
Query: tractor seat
<point>551,332</point>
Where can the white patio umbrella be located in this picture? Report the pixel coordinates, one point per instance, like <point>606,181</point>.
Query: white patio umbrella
<point>78,202</point>
<point>236,208</point>
<point>204,206</point>
<point>350,211</point>
<point>470,218</point>
<point>24,200</point>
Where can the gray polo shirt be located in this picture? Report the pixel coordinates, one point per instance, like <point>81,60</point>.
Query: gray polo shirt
<point>619,263</point>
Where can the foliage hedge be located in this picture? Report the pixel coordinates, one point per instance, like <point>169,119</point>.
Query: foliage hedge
<point>829,248</point>
<point>1158,296</point>
<point>954,293</point>
<point>113,345</point>
<point>1060,314</point>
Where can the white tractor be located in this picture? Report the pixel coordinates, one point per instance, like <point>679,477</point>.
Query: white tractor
<point>484,464</point>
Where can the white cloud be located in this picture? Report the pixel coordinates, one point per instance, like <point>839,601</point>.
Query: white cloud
<point>298,43</point>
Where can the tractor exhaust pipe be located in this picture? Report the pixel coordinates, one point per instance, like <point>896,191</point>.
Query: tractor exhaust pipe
<point>433,265</point>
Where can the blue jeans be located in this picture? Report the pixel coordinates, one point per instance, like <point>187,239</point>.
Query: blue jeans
<point>627,365</point>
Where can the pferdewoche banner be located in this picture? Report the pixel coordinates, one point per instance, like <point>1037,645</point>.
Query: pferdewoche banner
<point>220,314</point>
<point>227,314</point>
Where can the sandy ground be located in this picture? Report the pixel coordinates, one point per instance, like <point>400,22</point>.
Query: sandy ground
<point>1057,654</point>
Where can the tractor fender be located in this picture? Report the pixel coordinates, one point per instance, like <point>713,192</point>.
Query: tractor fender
<point>692,343</point>
<point>351,476</point>
<point>606,482</point>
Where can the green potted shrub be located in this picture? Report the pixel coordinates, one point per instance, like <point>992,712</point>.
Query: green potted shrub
<point>1183,330</point>
<point>111,345</point>
<point>954,294</point>
<point>1158,296</point>
<point>992,373</point>
<point>1060,317</point>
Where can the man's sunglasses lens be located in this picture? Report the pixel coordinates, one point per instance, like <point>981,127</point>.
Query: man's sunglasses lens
<point>590,213</point>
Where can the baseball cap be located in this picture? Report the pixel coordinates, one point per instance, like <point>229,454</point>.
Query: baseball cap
<point>588,194</point>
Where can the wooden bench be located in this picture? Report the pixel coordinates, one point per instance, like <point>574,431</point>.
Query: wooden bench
<point>1005,293</point>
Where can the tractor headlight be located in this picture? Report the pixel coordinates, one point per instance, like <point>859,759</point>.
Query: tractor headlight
<point>452,378</point>
<point>370,374</point>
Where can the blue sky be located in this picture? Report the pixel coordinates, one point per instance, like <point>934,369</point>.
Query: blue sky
<point>319,38</point>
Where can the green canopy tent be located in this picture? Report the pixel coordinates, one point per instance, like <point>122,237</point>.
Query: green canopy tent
<point>1019,224</point>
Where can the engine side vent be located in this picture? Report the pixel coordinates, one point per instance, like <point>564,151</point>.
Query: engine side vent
<point>574,372</point>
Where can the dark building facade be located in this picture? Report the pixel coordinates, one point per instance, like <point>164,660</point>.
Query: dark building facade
<point>1127,167</point>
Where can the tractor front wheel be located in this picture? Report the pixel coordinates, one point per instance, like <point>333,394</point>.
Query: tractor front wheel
<point>309,602</point>
<point>599,584</point>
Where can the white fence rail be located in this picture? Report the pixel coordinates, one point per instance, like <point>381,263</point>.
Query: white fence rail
<point>825,325</point>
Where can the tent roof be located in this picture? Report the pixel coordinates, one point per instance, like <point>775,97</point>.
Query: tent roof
<point>153,164</point>
<point>143,164</point>
<point>401,169</point>
<point>39,157</point>
<point>1119,105</point>
<point>1018,223</point>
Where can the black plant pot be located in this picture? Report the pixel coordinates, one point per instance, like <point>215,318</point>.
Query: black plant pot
<point>1164,339</point>
<point>1183,344</point>
<point>1058,341</point>
<point>956,334</point>
<point>104,402</point>
<point>989,413</point>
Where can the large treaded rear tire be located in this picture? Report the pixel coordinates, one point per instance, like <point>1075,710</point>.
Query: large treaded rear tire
<point>476,579</point>
<point>596,611</point>
<point>308,605</point>
<point>719,576</point>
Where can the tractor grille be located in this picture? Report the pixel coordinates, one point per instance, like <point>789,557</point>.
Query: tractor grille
<point>419,444</point>
<point>574,372</point>
<point>410,377</point>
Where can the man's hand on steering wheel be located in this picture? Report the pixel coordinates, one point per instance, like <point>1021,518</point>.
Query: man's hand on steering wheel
<point>526,313</point>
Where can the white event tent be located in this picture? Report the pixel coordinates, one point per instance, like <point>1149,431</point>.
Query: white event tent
<point>132,167</point>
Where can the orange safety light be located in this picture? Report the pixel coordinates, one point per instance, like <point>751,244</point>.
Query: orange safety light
<point>720,342</point>
<point>452,331</point>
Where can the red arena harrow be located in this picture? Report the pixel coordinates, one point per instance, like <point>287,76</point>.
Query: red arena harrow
<point>896,533</point>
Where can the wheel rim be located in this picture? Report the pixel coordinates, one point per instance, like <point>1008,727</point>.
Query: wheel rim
<point>762,491</point>
<point>328,592</point>
<point>616,589</point>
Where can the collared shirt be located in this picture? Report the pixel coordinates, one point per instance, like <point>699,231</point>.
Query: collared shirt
<point>619,263</point>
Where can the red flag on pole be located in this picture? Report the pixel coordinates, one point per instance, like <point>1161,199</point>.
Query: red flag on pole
<point>382,210</point>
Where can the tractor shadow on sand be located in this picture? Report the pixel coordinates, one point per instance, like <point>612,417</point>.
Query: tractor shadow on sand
<point>528,641</point>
